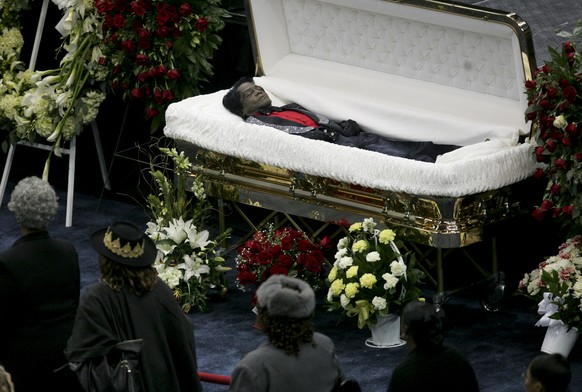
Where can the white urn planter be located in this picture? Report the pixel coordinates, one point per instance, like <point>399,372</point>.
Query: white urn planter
<point>385,333</point>
<point>559,339</point>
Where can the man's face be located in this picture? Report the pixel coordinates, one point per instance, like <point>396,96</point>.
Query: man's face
<point>252,98</point>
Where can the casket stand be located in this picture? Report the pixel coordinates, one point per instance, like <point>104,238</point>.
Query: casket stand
<point>410,70</point>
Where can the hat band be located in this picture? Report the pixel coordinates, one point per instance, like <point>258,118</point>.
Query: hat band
<point>114,245</point>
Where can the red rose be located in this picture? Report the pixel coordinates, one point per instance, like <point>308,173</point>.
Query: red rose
<point>161,70</point>
<point>546,205</point>
<point>572,129</point>
<point>169,44</point>
<point>286,260</point>
<point>265,257</point>
<point>136,93</point>
<point>174,74</point>
<point>201,25</point>
<point>563,83</point>
<point>312,264</point>
<point>115,84</point>
<point>138,8</point>
<point>538,214</point>
<point>168,96</point>
<point>163,15</point>
<point>326,242</point>
<point>143,76</point>
<point>102,60</point>
<point>127,46</point>
<point>552,91</point>
<point>141,59</point>
<point>530,84</point>
<point>568,47</point>
<point>539,173</point>
<point>569,93</point>
<point>116,69</point>
<point>304,245</point>
<point>286,243</point>
<point>566,141</point>
<point>247,277</point>
<point>568,210</point>
<point>555,189</point>
<point>546,69</point>
<point>551,145</point>
<point>118,21</point>
<point>144,44</point>
<point>185,9</point>
<point>151,113</point>
<point>561,164</point>
<point>545,104</point>
<point>531,116</point>
<point>556,212</point>
<point>578,156</point>
<point>163,31</point>
<point>278,270</point>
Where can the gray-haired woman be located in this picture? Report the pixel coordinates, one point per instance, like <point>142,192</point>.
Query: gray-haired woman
<point>39,293</point>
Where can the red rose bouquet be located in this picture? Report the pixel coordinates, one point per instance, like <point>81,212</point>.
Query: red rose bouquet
<point>555,108</point>
<point>283,251</point>
<point>158,51</point>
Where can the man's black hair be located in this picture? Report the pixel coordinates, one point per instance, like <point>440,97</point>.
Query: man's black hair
<point>232,100</point>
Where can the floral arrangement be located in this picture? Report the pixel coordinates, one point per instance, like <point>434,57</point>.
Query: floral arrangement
<point>370,277</point>
<point>153,51</point>
<point>555,108</point>
<point>51,105</point>
<point>158,51</point>
<point>188,261</point>
<point>557,285</point>
<point>281,251</point>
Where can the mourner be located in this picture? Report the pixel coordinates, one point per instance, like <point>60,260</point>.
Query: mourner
<point>40,282</point>
<point>253,104</point>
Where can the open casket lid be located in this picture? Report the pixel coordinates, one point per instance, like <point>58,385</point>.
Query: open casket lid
<point>405,68</point>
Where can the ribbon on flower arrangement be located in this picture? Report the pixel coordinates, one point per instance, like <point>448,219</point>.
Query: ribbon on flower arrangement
<point>546,308</point>
<point>363,309</point>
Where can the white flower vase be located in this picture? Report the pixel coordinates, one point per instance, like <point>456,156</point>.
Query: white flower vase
<point>385,333</point>
<point>559,340</point>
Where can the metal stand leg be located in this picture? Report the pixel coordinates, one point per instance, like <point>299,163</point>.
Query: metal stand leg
<point>6,172</point>
<point>71,182</point>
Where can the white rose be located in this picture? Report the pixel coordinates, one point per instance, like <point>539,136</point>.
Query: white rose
<point>560,122</point>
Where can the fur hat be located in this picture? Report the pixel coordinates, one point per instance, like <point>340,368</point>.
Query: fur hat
<point>282,295</point>
<point>125,243</point>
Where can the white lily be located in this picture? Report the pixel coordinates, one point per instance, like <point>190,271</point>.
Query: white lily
<point>176,230</point>
<point>193,267</point>
<point>198,239</point>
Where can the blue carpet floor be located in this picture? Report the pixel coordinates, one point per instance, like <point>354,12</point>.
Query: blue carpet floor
<point>498,344</point>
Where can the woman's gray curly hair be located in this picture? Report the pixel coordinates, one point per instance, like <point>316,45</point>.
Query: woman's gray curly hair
<point>34,203</point>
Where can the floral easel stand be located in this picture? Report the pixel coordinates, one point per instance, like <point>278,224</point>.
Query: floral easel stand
<point>71,151</point>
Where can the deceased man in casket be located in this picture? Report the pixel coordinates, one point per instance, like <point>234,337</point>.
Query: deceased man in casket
<point>251,102</point>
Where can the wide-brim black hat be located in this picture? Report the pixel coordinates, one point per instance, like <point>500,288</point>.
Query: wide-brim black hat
<point>125,243</point>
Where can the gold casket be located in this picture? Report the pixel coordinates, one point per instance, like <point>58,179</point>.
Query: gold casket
<point>410,70</point>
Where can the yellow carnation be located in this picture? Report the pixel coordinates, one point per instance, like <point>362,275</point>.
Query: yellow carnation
<point>352,289</point>
<point>355,227</point>
<point>360,246</point>
<point>352,271</point>
<point>337,286</point>
<point>332,274</point>
<point>368,281</point>
<point>386,236</point>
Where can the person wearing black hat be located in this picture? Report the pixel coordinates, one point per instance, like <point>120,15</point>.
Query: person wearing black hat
<point>40,283</point>
<point>294,358</point>
<point>132,302</point>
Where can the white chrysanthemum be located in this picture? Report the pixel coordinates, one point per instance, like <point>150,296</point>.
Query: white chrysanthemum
<point>391,281</point>
<point>344,301</point>
<point>368,225</point>
<point>379,303</point>
<point>398,268</point>
<point>373,257</point>
<point>329,296</point>
<point>577,288</point>
<point>342,243</point>
<point>345,262</point>
<point>340,253</point>
<point>171,276</point>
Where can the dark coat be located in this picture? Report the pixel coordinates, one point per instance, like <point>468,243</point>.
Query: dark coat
<point>443,369</point>
<point>348,133</point>
<point>39,294</point>
<point>168,356</point>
